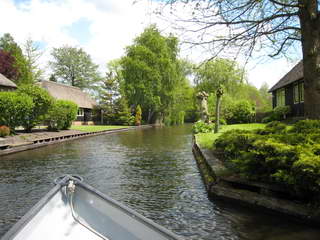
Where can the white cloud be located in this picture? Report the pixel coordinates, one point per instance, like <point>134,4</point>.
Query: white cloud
<point>113,26</point>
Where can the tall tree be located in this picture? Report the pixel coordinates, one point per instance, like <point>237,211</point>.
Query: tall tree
<point>109,91</point>
<point>32,54</point>
<point>8,44</point>
<point>74,66</point>
<point>274,25</point>
<point>150,72</point>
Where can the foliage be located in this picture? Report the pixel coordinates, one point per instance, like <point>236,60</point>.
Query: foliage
<point>32,55</point>
<point>42,101</point>
<point>61,114</point>
<point>306,127</point>
<point>202,127</point>
<point>4,131</point>
<point>150,72</point>
<point>119,114</point>
<point>8,45</point>
<point>7,66</point>
<point>241,112</point>
<point>289,157</point>
<point>15,109</point>
<point>138,116</point>
<point>74,66</point>
<point>109,92</point>
<point>277,114</point>
<point>218,72</point>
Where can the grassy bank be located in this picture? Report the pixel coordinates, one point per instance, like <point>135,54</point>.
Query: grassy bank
<point>206,140</point>
<point>97,128</point>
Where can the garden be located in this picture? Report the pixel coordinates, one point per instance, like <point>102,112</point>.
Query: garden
<point>275,153</point>
<point>31,105</point>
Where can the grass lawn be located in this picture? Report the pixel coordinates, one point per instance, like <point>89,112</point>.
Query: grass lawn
<point>95,128</point>
<point>206,140</point>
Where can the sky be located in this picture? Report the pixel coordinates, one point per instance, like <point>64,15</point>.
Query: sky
<point>103,28</point>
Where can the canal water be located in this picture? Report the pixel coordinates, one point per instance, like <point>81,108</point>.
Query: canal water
<point>153,172</point>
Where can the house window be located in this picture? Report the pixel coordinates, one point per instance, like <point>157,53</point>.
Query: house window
<point>296,94</point>
<point>80,112</point>
<point>301,91</point>
<point>280,97</point>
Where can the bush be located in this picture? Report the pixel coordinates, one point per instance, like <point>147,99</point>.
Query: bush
<point>273,154</point>
<point>61,114</point>
<point>15,109</point>
<point>138,116</point>
<point>231,143</point>
<point>274,127</point>
<point>241,112</point>
<point>277,114</point>
<point>202,127</point>
<point>41,101</point>
<point>306,126</point>
<point>4,131</point>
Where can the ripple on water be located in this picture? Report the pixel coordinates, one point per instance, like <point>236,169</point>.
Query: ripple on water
<point>152,171</point>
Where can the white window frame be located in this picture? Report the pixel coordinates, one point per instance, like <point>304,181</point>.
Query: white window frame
<point>80,112</point>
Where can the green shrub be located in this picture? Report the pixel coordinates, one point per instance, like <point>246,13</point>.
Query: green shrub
<point>274,127</point>
<point>61,114</point>
<point>15,109</point>
<point>240,112</point>
<point>231,143</point>
<point>202,127</point>
<point>277,114</point>
<point>306,126</point>
<point>290,158</point>
<point>138,116</point>
<point>41,101</point>
<point>4,131</point>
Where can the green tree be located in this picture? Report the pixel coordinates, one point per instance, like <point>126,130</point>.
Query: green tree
<point>74,66</point>
<point>277,26</point>
<point>8,44</point>
<point>216,76</point>
<point>109,91</point>
<point>150,73</point>
<point>32,55</point>
<point>42,101</point>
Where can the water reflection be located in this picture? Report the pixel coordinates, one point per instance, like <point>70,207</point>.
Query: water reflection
<point>151,170</point>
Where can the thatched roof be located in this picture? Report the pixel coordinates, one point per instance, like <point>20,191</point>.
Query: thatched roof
<point>296,73</point>
<point>65,92</point>
<point>6,82</point>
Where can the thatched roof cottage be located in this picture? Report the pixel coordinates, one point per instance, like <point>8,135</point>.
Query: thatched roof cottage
<point>6,84</point>
<point>74,94</point>
<point>289,90</point>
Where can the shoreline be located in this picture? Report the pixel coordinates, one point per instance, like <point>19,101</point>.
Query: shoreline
<point>58,137</point>
<point>220,185</point>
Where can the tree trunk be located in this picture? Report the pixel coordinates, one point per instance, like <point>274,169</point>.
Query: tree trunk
<point>310,40</point>
<point>217,125</point>
<point>150,114</point>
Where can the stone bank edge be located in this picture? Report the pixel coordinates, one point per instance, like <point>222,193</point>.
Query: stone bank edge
<point>252,194</point>
<point>14,148</point>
